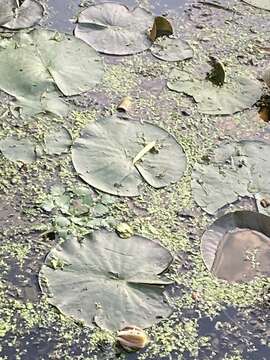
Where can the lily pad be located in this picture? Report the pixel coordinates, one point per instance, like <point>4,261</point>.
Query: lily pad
<point>116,156</point>
<point>235,170</point>
<point>58,141</point>
<point>261,4</point>
<point>18,150</point>
<point>108,280</point>
<point>236,247</point>
<point>232,97</point>
<point>171,49</point>
<point>16,14</point>
<point>112,28</point>
<point>38,66</point>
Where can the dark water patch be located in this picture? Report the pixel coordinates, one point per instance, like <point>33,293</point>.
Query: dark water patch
<point>62,14</point>
<point>234,331</point>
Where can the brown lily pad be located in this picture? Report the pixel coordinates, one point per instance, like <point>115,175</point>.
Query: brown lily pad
<point>236,247</point>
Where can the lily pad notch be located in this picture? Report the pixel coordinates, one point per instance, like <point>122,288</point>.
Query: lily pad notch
<point>108,281</point>
<point>15,14</point>
<point>117,156</point>
<point>40,66</point>
<point>112,28</point>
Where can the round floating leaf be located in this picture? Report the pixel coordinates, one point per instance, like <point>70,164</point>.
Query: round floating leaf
<point>58,141</point>
<point>261,4</point>
<point>108,280</point>
<point>113,29</point>
<point>18,149</point>
<point>171,49</point>
<point>116,156</point>
<point>14,15</point>
<point>36,66</point>
<point>215,100</point>
<point>236,170</point>
<point>236,247</point>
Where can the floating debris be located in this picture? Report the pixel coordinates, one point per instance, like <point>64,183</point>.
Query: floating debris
<point>132,338</point>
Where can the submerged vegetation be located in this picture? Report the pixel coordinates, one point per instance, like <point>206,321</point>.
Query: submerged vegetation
<point>97,202</point>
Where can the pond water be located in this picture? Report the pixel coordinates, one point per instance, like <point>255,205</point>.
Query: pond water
<point>233,330</point>
<point>63,13</point>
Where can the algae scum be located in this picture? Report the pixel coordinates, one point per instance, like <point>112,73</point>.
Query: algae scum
<point>134,180</point>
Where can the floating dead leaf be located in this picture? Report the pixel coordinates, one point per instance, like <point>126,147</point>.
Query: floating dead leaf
<point>161,27</point>
<point>125,104</point>
<point>264,114</point>
<point>236,247</point>
<point>266,77</point>
<point>217,74</point>
<point>132,338</point>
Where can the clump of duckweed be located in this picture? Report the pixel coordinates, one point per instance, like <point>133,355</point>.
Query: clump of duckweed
<point>174,337</point>
<point>118,79</point>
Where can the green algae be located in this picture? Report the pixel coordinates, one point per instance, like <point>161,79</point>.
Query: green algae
<point>156,214</point>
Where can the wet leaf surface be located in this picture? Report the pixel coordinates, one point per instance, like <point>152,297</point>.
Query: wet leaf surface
<point>112,28</point>
<point>20,15</point>
<point>171,49</point>
<point>261,4</point>
<point>110,281</point>
<point>18,150</point>
<point>235,170</point>
<point>58,141</point>
<point>233,97</point>
<point>113,155</point>
<point>33,69</point>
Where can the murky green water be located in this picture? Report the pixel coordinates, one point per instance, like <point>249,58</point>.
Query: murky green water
<point>233,331</point>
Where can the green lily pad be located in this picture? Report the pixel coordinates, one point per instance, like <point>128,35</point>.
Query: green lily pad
<point>108,280</point>
<point>116,156</point>
<point>58,141</point>
<point>112,28</point>
<point>236,247</point>
<point>171,49</point>
<point>18,150</point>
<point>232,97</point>
<point>15,14</point>
<point>236,170</point>
<point>261,4</point>
<point>38,66</point>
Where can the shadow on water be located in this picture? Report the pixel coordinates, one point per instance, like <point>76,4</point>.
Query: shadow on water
<point>62,14</point>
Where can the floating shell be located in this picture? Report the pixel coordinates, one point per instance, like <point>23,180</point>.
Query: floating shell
<point>132,338</point>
